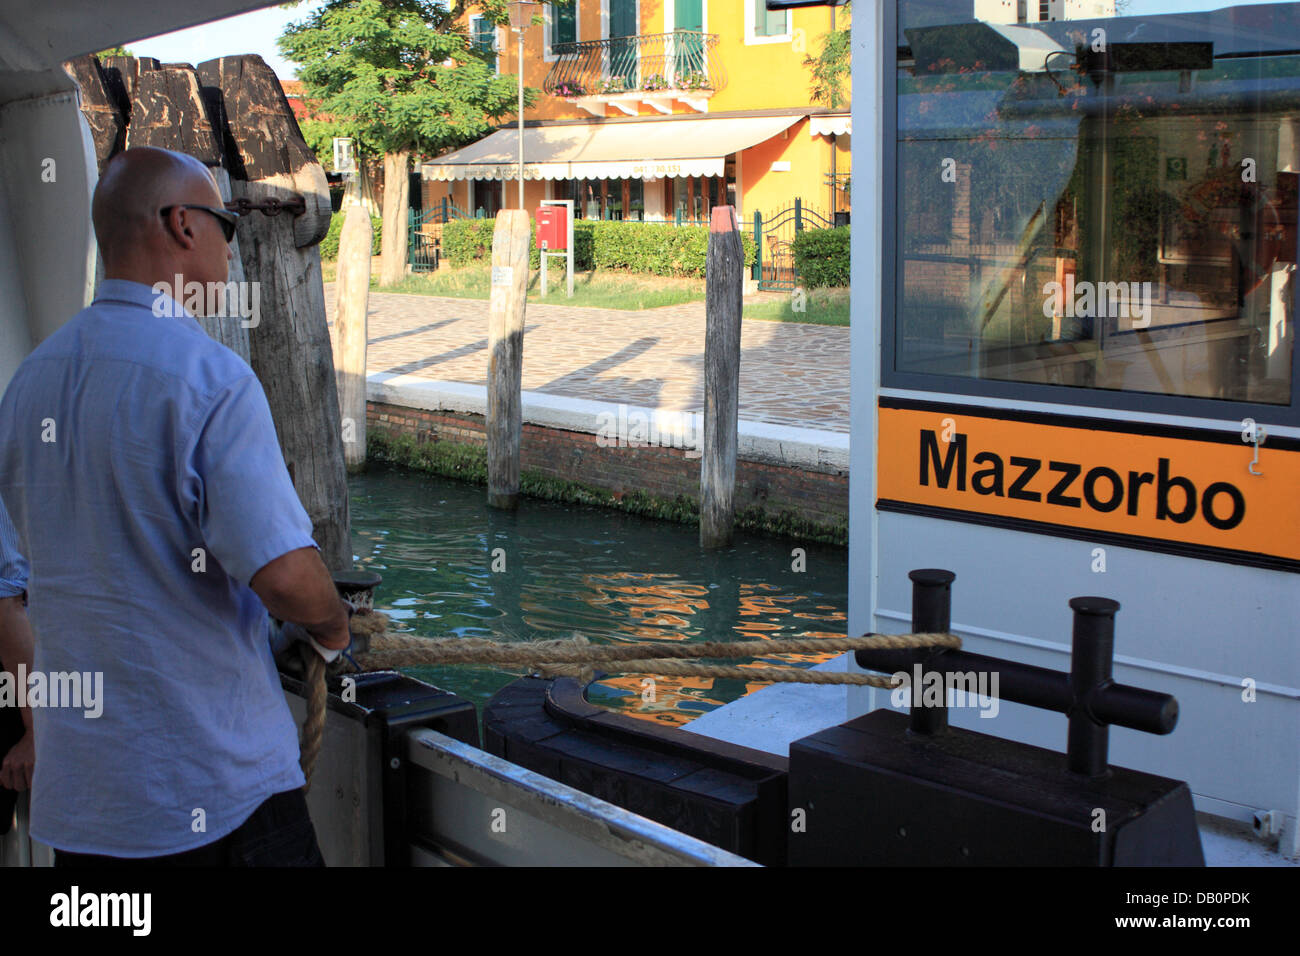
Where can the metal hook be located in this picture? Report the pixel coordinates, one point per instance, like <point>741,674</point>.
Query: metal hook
<point>1255,435</point>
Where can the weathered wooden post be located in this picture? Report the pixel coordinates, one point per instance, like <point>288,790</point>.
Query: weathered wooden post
<point>168,111</point>
<point>722,293</point>
<point>273,169</point>
<point>350,327</point>
<point>397,191</point>
<point>137,103</point>
<point>506,355</point>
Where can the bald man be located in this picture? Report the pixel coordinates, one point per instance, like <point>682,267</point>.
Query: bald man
<point>140,465</point>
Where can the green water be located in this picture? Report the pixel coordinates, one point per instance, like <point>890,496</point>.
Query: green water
<point>574,569</point>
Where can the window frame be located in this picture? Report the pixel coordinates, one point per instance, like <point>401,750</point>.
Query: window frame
<point>753,38</point>
<point>475,19</point>
<point>1184,406</point>
<point>549,35</point>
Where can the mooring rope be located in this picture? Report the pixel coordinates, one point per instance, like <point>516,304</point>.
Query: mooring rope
<point>576,657</point>
<point>313,724</point>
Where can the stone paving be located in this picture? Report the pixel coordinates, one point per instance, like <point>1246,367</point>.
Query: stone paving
<point>790,374</point>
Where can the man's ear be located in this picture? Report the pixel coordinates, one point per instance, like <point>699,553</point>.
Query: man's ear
<point>178,229</point>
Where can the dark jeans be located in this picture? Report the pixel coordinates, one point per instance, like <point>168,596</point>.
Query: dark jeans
<point>279,833</point>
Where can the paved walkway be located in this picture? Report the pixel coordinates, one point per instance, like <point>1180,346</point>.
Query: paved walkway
<point>790,374</point>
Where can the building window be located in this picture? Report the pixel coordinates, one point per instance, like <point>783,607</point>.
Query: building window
<point>1106,247</point>
<point>564,22</point>
<point>769,23</point>
<point>483,37</point>
<point>605,198</point>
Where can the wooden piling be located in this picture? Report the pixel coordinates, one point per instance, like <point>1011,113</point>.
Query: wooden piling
<point>232,115</point>
<point>289,344</point>
<point>393,233</point>
<point>353,290</point>
<point>505,362</point>
<point>724,282</point>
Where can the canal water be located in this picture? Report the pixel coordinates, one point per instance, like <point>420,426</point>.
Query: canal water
<point>562,570</point>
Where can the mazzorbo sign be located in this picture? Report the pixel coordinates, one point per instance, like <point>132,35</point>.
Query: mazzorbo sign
<point>1180,490</point>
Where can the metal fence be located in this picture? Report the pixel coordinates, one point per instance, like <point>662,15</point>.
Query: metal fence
<point>774,266</point>
<point>424,244</point>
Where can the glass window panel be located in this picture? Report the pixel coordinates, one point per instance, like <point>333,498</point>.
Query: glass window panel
<point>636,199</point>
<point>1122,220</point>
<point>769,23</point>
<point>564,22</point>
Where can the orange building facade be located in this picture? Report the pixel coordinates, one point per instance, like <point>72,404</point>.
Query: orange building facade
<point>657,110</point>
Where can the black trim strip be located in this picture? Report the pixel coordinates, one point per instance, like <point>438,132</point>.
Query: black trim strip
<point>1183,432</point>
<point>1203,552</point>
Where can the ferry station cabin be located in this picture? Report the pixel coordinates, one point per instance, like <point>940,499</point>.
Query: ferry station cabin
<point>1074,364</point>
<point>657,111</point>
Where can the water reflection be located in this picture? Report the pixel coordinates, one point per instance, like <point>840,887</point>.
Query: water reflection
<point>452,566</point>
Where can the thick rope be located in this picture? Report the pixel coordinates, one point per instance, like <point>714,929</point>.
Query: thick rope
<point>400,650</point>
<point>313,725</point>
<point>574,658</point>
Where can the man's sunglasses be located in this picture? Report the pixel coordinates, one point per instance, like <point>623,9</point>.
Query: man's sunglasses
<point>228,218</point>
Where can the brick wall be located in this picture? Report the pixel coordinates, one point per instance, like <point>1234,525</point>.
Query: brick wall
<point>576,456</point>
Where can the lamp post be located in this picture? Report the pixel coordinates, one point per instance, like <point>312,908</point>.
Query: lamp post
<point>521,17</point>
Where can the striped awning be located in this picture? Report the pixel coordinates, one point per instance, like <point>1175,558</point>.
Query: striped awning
<point>836,124</point>
<point>653,149</point>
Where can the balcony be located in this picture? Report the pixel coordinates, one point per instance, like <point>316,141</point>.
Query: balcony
<point>655,69</point>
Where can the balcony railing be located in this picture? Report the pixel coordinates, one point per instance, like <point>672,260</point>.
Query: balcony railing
<point>682,64</point>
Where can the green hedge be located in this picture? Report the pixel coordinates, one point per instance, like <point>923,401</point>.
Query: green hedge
<point>657,248</point>
<point>821,257</point>
<point>329,246</point>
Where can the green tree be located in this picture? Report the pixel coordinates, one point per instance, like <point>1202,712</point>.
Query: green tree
<point>402,79</point>
<point>830,66</point>
<point>114,51</point>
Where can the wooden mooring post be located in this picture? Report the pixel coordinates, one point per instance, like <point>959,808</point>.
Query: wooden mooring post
<point>231,114</point>
<point>506,355</point>
<point>289,342</point>
<point>724,285</point>
<point>350,325</point>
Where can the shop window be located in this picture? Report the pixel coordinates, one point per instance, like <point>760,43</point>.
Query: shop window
<point>1113,231</point>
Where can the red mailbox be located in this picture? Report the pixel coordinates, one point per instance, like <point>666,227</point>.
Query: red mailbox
<point>552,228</point>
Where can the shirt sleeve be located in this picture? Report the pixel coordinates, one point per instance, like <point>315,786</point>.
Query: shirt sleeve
<point>13,566</point>
<point>248,511</point>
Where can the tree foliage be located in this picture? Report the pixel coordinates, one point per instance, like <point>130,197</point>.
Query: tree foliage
<point>399,75</point>
<point>830,67</point>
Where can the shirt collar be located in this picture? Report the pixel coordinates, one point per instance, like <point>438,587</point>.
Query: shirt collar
<point>161,302</point>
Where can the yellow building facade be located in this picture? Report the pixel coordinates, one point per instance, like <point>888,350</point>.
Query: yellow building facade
<point>658,110</point>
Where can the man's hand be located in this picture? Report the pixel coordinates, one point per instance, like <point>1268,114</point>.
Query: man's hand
<point>16,770</point>
<point>296,587</point>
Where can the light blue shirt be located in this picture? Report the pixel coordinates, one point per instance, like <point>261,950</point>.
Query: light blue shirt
<point>140,465</point>
<point>13,566</point>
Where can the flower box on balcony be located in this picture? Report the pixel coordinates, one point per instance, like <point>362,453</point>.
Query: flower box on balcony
<point>694,80</point>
